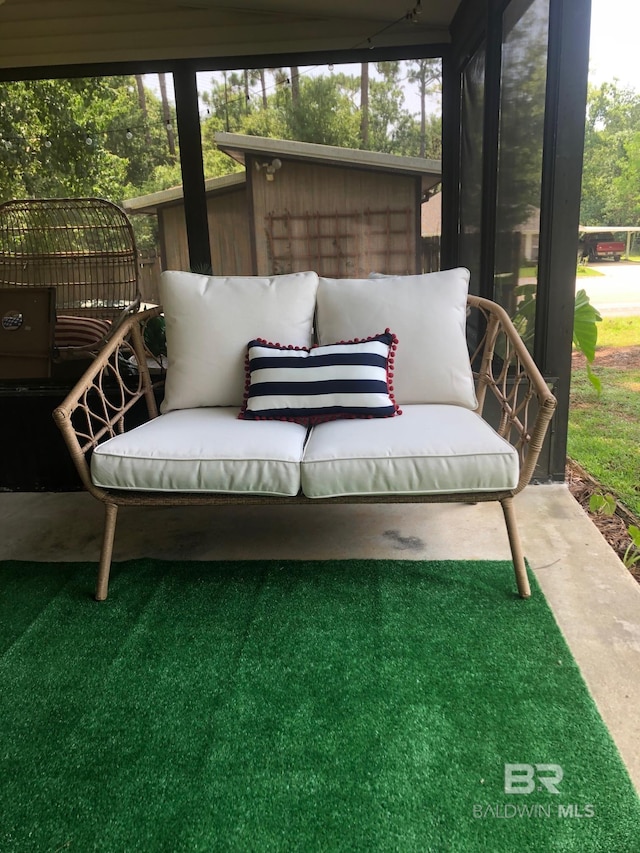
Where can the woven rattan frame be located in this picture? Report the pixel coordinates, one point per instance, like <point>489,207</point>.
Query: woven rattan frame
<point>97,409</point>
<point>84,247</point>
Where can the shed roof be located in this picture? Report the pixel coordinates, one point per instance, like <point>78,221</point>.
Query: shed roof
<point>238,145</point>
<point>593,229</point>
<point>213,186</point>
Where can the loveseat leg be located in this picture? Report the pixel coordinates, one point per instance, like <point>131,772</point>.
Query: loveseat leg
<point>517,555</point>
<point>102,584</point>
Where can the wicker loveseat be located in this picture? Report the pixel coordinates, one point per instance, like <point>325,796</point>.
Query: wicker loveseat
<point>386,406</point>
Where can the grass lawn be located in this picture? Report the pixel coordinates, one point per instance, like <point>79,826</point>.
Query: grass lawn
<point>528,272</point>
<point>604,432</point>
<point>584,271</point>
<point>619,332</point>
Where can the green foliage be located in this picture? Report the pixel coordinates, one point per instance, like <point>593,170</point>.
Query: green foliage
<point>604,431</point>
<point>390,126</point>
<point>272,122</point>
<point>324,114</point>
<point>626,184</point>
<point>611,168</point>
<point>323,111</point>
<point>427,74</point>
<point>632,554</point>
<point>327,108</point>
<point>524,317</point>
<point>585,333</point>
<point>46,125</point>
<point>585,330</point>
<point>227,100</point>
<point>607,505</point>
<point>155,336</point>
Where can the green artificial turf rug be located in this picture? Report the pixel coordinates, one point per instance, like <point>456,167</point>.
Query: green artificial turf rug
<point>297,706</point>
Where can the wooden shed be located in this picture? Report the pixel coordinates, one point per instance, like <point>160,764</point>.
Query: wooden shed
<point>297,206</point>
<point>227,212</point>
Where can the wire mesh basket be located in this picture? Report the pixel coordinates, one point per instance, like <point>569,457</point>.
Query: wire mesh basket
<point>84,247</point>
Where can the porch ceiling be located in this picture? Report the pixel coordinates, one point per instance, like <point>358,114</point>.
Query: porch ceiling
<point>62,32</point>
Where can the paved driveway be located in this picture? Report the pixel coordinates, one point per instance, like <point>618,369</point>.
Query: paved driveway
<point>617,291</point>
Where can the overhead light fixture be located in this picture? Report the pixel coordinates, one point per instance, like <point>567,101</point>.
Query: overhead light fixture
<point>270,168</point>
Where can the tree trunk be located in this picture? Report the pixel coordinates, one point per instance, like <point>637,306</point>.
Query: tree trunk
<point>246,90</point>
<point>263,85</point>
<point>423,115</point>
<point>142,103</point>
<point>166,115</point>
<point>295,85</point>
<point>364,105</point>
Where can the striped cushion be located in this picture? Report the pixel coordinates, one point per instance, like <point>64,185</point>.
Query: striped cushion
<point>80,331</point>
<point>343,380</point>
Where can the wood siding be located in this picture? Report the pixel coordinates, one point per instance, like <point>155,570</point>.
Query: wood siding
<point>341,222</point>
<point>228,235</point>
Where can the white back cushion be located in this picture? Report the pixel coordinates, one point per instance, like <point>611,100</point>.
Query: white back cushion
<point>211,319</point>
<point>428,315</point>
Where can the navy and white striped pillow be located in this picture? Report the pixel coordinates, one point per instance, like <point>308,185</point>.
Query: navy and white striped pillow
<point>343,380</point>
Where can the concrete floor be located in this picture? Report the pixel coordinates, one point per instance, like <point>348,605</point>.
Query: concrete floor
<point>595,600</point>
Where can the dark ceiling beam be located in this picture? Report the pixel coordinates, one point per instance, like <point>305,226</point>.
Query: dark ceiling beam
<point>227,63</point>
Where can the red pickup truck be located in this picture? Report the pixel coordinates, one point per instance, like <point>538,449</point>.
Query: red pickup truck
<point>599,245</point>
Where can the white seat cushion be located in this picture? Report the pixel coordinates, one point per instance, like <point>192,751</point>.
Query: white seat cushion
<point>427,313</point>
<point>203,450</point>
<point>211,319</point>
<point>428,450</point>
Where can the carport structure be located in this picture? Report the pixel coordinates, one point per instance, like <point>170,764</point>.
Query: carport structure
<point>623,230</point>
<point>514,94</point>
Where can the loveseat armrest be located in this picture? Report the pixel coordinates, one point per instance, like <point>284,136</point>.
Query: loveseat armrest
<point>504,367</point>
<point>116,381</point>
